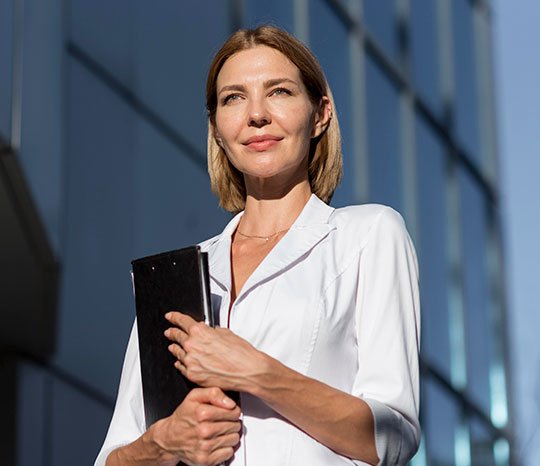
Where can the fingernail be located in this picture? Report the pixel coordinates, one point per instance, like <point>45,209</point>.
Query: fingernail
<point>168,315</point>
<point>167,332</point>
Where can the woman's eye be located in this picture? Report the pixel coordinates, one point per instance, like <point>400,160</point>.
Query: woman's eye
<point>230,98</point>
<point>281,91</point>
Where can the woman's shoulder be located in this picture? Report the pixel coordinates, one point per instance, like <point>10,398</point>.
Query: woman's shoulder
<point>364,217</point>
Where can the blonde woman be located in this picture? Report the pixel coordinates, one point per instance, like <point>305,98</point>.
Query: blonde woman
<point>318,307</point>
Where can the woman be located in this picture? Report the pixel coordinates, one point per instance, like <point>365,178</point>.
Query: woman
<point>318,306</point>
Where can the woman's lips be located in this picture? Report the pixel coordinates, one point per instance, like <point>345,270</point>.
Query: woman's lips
<point>262,143</point>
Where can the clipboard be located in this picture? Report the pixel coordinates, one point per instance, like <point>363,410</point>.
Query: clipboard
<point>174,280</point>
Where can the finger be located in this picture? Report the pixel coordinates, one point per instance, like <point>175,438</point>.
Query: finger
<point>217,429</point>
<point>213,396</point>
<point>180,320</point>
<point>219,456</point>
<point>210,413</point>
<point>176,334</point>
<point>177,351</point>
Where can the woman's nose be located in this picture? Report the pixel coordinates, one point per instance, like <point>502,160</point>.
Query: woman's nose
<point>259,115</point>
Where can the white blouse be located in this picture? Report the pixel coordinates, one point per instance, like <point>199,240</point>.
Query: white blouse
<point>336,300</point>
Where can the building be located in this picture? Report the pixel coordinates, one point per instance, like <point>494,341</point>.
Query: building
<point>103,132</point>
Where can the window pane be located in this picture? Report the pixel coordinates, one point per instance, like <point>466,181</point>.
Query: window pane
<point>475,287</point>
<point>381,21</point>
<point>466,99</point>
<point>332,50</point>
<point>174,50</point>
<point>432,249</point>
<point>384,142</point>
<point>425,52</point>
<point>279,12</point>
<point>441,421</point>
<point>482,445</point>
<point>113,46</point>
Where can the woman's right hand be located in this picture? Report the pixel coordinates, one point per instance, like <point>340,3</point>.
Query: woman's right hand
<point>204,431</point>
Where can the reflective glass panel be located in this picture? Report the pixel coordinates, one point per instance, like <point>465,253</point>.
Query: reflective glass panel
<point>482,445</point>
<point>96,301</point>
<point>279,12</point>
<point>465,76</point>
<point>432,247</point>
<point>332,50</point>
<point>425,52</point>
<point>381,21</point>
<point>174,48</point>
<point>384,139</point>
<point>475,289</point>
<point>441,415</point>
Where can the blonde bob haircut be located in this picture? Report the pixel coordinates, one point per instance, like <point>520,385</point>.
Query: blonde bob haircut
<point>325,158</point>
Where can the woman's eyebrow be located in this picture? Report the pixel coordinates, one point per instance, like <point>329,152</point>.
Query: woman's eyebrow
<point>267,84</point>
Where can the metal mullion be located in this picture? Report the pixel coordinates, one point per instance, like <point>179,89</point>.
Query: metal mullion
<point>301,20</point>
<point>407,127</point>
<point>359,109</point>
<point>17,76</point>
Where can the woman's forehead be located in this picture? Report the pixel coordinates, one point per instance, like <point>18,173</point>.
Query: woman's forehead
<point>257,63</point>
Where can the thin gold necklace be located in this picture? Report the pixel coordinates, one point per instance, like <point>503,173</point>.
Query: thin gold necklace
<point>266,238</point>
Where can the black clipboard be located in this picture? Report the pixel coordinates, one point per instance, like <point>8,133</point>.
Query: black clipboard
<point>173,280</point>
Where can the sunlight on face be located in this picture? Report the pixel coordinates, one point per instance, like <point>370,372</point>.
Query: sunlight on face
<point>264,119</point>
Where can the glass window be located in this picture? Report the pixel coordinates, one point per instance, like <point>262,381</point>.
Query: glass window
<point>96,301</point>
<point>32,413</point>
<point>70,440</point>
<point>466,99</point>
<point>475,289</point>
<point>425,52</point>
<point>381,21</point>
<point>167,181</point>
<point>441,414</point>
<point>174,50</point>
<point>41,112</point>
<point>105,31</point>
<point>6,61</point>
<point>384,139</point>
<point>482,445</point>
<point>432,247</point>
<point>332,50</point>
<point>279,12</point>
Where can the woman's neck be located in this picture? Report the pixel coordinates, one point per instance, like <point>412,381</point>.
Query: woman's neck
<point>266,214</point>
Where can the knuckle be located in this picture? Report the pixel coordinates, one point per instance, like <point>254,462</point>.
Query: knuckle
<point>187,345</point>
<point>201,413</point>
<point>203,431</point>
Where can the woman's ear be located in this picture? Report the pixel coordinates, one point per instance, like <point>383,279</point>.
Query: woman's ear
<point>323,115</point>
<point>217,137</point>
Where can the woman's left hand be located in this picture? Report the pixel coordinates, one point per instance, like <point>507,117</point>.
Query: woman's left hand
<point>213,357</point>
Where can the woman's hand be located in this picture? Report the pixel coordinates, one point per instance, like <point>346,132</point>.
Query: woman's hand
<point>213,357</point>
<point>202,431</point>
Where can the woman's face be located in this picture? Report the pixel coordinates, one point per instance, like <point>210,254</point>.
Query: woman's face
<point>264,118</point>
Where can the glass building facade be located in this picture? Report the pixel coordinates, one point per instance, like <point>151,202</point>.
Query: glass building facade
<point>102,116</point>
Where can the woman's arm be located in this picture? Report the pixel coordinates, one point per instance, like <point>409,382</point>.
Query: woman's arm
<point>340,421</point>
<point>203,430</point>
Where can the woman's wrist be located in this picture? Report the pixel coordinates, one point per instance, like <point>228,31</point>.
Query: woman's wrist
<point>257,382</point>
<point>154,442</point>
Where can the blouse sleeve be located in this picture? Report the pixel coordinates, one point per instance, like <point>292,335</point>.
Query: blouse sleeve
<point>388,335</point>
<point>127,423</point>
